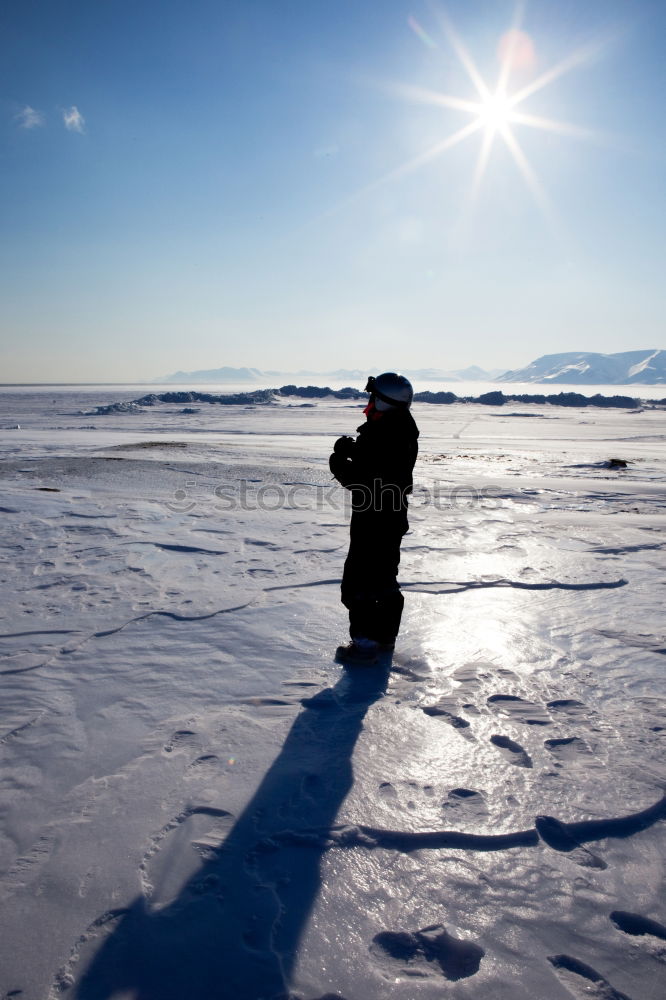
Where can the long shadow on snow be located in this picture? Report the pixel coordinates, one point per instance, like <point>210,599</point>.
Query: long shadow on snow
<point>234,930</point>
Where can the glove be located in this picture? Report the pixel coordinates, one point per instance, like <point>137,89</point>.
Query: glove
<point>344,447</point>
<point>338,464</point>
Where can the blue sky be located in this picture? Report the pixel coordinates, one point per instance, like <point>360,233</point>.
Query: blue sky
<point>191,185</point>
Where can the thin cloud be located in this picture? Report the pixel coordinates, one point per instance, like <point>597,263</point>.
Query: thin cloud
<point>73,119</point>
<point>29,118</point>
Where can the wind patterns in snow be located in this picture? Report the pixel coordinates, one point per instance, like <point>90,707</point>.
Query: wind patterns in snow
<point>197,800</point>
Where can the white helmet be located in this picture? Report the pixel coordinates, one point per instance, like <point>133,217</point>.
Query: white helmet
<point>390,390</point>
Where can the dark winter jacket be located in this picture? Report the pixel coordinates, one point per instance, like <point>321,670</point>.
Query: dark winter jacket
<point>377,466</point>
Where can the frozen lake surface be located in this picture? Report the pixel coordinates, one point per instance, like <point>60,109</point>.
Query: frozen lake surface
<point>196,802</point>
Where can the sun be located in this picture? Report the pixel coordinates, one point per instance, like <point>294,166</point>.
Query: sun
<point>495,112</point>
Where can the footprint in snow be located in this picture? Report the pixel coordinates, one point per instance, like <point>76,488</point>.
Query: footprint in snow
<point>446,709</point>
<point>467,802</point>
<point>267,701</point>
<point>182,739</point>
<point>411,668</point>
<point>207,761</point>
<point>520,710</point>
<point>568,748</point>
<point>476,674</point>
<point>472,674</point>
<point>574,710</point>
<point>408,791</point>
<point>582,980</point>
<point>312,787</point>
<point>176,851</point>
<point>426,952</point>
<point>636,925</point>
<point>512,751</point>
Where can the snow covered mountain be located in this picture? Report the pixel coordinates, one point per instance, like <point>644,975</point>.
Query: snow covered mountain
<point>646,367</point>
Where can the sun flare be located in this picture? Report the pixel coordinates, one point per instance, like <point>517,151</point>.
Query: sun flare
<point>492,113</point>
<point>495,112</point>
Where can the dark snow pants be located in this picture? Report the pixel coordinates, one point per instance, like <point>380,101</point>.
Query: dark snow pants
<point>370,589</point>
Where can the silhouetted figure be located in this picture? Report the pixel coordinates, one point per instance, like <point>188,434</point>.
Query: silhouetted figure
<point>377,468</point>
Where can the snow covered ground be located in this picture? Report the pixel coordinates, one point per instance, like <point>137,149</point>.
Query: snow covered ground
<point>196,802</point>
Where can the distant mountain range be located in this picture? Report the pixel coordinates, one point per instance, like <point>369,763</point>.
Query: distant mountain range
<point>215,375</point>
<point>226,374</point>
<point>627,368</point>
<point>647,367</point>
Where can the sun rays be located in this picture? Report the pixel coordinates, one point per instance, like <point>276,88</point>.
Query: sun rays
<point>498,110</point>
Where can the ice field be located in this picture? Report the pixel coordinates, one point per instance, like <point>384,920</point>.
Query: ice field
<point>196,802</point>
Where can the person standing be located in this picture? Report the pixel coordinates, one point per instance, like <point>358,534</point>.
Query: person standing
<point>376,467</point>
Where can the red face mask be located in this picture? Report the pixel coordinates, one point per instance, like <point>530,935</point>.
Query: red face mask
<point>371,412</point>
